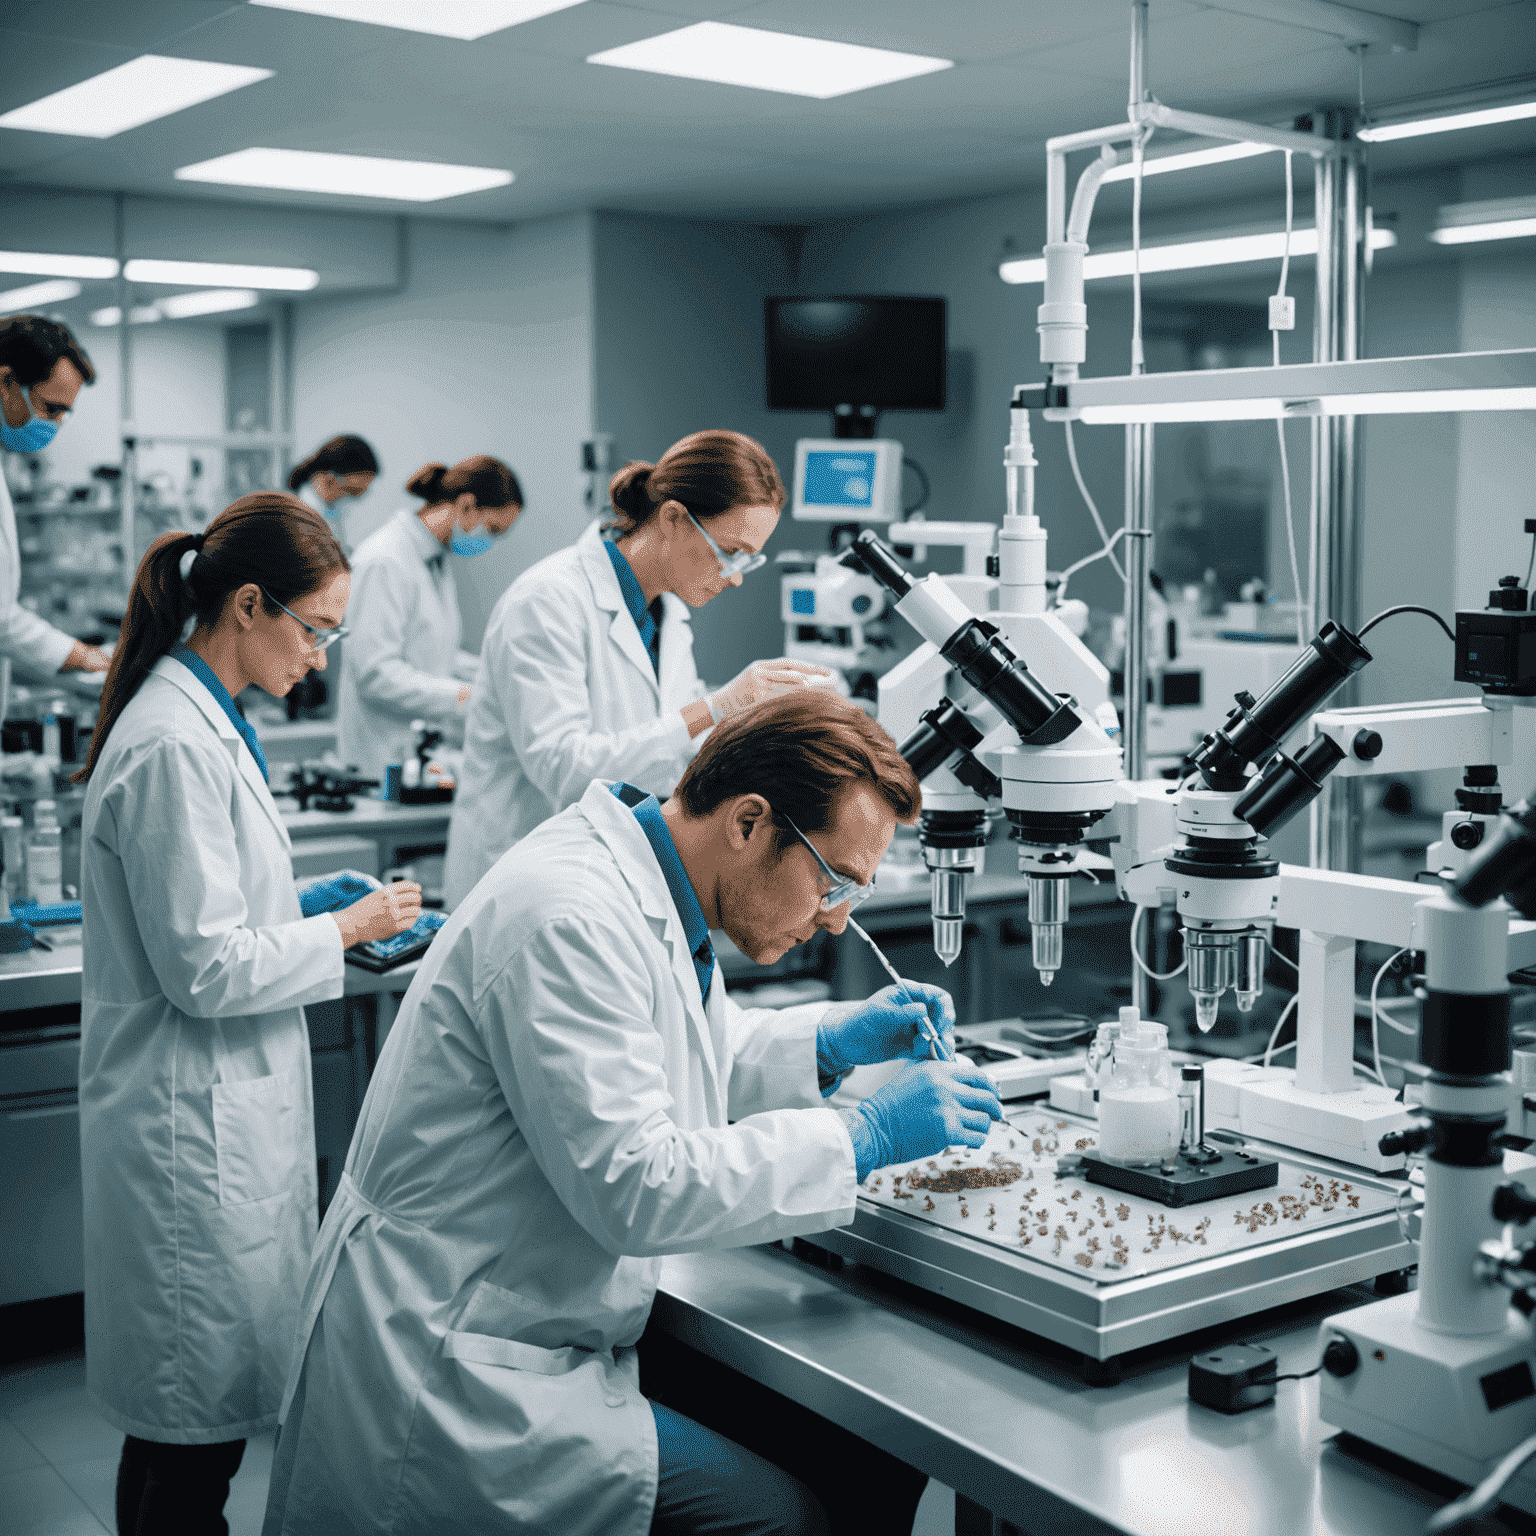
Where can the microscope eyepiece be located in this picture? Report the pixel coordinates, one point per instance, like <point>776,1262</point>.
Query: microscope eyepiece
<point>869,553</point>
<point>1506,865</point>
<point>982,658</point>
<point>1289,785</point>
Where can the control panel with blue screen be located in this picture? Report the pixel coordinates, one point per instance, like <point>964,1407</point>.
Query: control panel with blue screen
<point>847,480</point>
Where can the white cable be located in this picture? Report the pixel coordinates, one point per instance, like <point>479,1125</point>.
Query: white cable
<point>1285,258</point>
<point>1093,509</point>
<point>1077,565</point>
<point>1376,1013</point>
<point>1136,954</point>
<point>1285,1013</point>
<point>1290,526</point>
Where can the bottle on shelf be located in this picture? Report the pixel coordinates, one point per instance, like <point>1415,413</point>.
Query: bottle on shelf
<point>45,856</point>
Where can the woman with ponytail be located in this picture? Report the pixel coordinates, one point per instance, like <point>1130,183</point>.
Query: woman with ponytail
<point>196,1114</point>
<point>587,667</point>
<point>403,661</point>
<point>340,470</point>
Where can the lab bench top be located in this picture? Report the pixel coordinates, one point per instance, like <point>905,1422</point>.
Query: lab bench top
<point>1004,1420</point>
<point>367,816</point>
<point>39,978</point>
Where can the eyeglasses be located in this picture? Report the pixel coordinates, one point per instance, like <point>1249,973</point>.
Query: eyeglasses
<point>843,887</point>
<point>46,409</point>
<point>319,639</point>
<point>737,564</point>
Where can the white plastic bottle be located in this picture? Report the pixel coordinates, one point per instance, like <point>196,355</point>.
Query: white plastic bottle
<point>45,859</point>
<point>53,748</point>
<point>1139,1110</point>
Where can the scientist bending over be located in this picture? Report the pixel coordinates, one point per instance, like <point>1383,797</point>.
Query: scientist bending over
<point>587,668</point>
<point>568,1095</point>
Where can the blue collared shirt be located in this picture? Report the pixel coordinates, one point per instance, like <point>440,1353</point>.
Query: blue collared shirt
<point>209,679</point>
<point>639,610</point>
<point>695,929</point>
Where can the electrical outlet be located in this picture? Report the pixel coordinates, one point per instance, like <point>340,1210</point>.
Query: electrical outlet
<point>1282,312</point>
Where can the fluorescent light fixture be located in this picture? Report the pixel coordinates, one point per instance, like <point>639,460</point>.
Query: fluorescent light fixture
<point>304,170</point>
<point>134,93</point>
<point>466,19</point>
<point>1501,218</point>
<point>1221,251</point>
<point>56,291</point>
<point>211,301</point>
<point>218,274</point>
<point>46,265</point>
<point>1384,133</point>
<point>1468,234</point>
<point>142,314</point>
<point>1217,155</point>
<point>768,61</point>
<point>1470,381</point>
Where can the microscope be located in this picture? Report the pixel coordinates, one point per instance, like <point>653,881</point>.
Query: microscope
<point>979,724</point>
<point>1443,1375</point>
<point>1242,788</point>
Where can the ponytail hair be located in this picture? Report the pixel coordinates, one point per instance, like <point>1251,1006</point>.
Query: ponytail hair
<point>339,456</point>
<point>271,539</point>
<point>488,480</point>
<point>710,473</point>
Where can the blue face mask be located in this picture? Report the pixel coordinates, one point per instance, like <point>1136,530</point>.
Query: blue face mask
<point>469,544</point>
<point>31,437</point>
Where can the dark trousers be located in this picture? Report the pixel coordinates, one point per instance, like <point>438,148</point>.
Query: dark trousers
<point>175,1490</point>
<point>858,1486</point>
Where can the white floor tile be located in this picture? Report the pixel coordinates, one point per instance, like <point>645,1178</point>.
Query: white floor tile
<point>95,1484</point>
<point>62,1422</point>
<point>38,1502</point>
<point>17,1452</point>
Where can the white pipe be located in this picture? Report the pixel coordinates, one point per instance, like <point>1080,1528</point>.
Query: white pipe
<point>1087,193</point>
<point>1139,92</point>
<point>1155,113</point>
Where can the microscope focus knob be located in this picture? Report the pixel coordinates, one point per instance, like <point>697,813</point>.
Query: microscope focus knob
<point>1466,835</point>
<point>1512,1202</point>
<point>1408,1141</point>
<point>1367,745</point>
<point>1341,1358</point>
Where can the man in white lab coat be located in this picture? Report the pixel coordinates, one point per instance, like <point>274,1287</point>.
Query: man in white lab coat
<point>569,1095</point>
<point>42,370</point>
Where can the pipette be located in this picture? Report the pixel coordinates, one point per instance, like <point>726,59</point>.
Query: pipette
<point>929,1032</point>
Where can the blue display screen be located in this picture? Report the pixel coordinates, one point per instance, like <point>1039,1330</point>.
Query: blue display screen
<point>838,478</point>
<point>802,600</point>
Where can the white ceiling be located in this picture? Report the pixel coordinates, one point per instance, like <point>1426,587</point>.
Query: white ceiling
<point>584,136</point>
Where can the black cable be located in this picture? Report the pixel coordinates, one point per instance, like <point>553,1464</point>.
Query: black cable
<point>1299,1376</point>
<point>922,474</point>
<point>1386,613</point>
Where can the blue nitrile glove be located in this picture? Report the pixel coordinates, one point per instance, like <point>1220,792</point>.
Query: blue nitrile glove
<point>884,1027</point>
<point>926,1107</point>
<point>331,893</point>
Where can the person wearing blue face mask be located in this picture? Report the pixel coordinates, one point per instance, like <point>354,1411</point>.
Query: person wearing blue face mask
<point>42,370</point>
<point>333,479</point>
<point>402,661</point>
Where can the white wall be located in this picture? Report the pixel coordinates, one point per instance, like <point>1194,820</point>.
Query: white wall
<point>488,349</point>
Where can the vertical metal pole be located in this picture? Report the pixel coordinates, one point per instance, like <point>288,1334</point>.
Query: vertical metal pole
<point>1138,560</point>
<point>1335,535</point>
<point>128,463</point>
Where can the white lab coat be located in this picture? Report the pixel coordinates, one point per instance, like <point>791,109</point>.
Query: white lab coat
<point>400,661</point>
<point>566,694</point>
<point>29,639</point>
<point>196,1113</point>
<point>549,1117</point>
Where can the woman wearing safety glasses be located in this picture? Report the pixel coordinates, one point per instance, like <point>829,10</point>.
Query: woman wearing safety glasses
<point>587,670</point>
<point>196,1115</point>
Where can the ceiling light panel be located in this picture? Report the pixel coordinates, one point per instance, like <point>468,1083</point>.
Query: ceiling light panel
<point>303,170</point>
<point>219,274</point>
<point>768,61</point>
<point>57,290</point>
<point>211,301</point>
<point>1190,160</point>
<point>1472,234</point>
<point>45,264</point>
<point>1384,133</point>
<point>466,19</point>
<point>134,93</point>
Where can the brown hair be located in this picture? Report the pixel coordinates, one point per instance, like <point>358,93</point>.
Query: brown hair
<point>30,346</point>
<point>271,539</point>
<point>345,455</point>
<point>708,472</point>
<point>488,480</point>
<point>799,751</point>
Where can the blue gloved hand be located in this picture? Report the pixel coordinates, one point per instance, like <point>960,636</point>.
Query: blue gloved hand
<point>884,1027</point>
<point>333,892</point>
<point>926,1107</point>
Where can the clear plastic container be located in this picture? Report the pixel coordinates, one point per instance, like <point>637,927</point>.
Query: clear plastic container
<point>45,864</point>
<point>1139,1109</point>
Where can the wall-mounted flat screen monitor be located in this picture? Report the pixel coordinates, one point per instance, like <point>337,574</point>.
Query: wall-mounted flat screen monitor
<point>875,350</point>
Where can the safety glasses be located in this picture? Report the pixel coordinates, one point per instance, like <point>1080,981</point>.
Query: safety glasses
<point>737,564</point>
<point>319,639</point>
<point>843,887</point>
